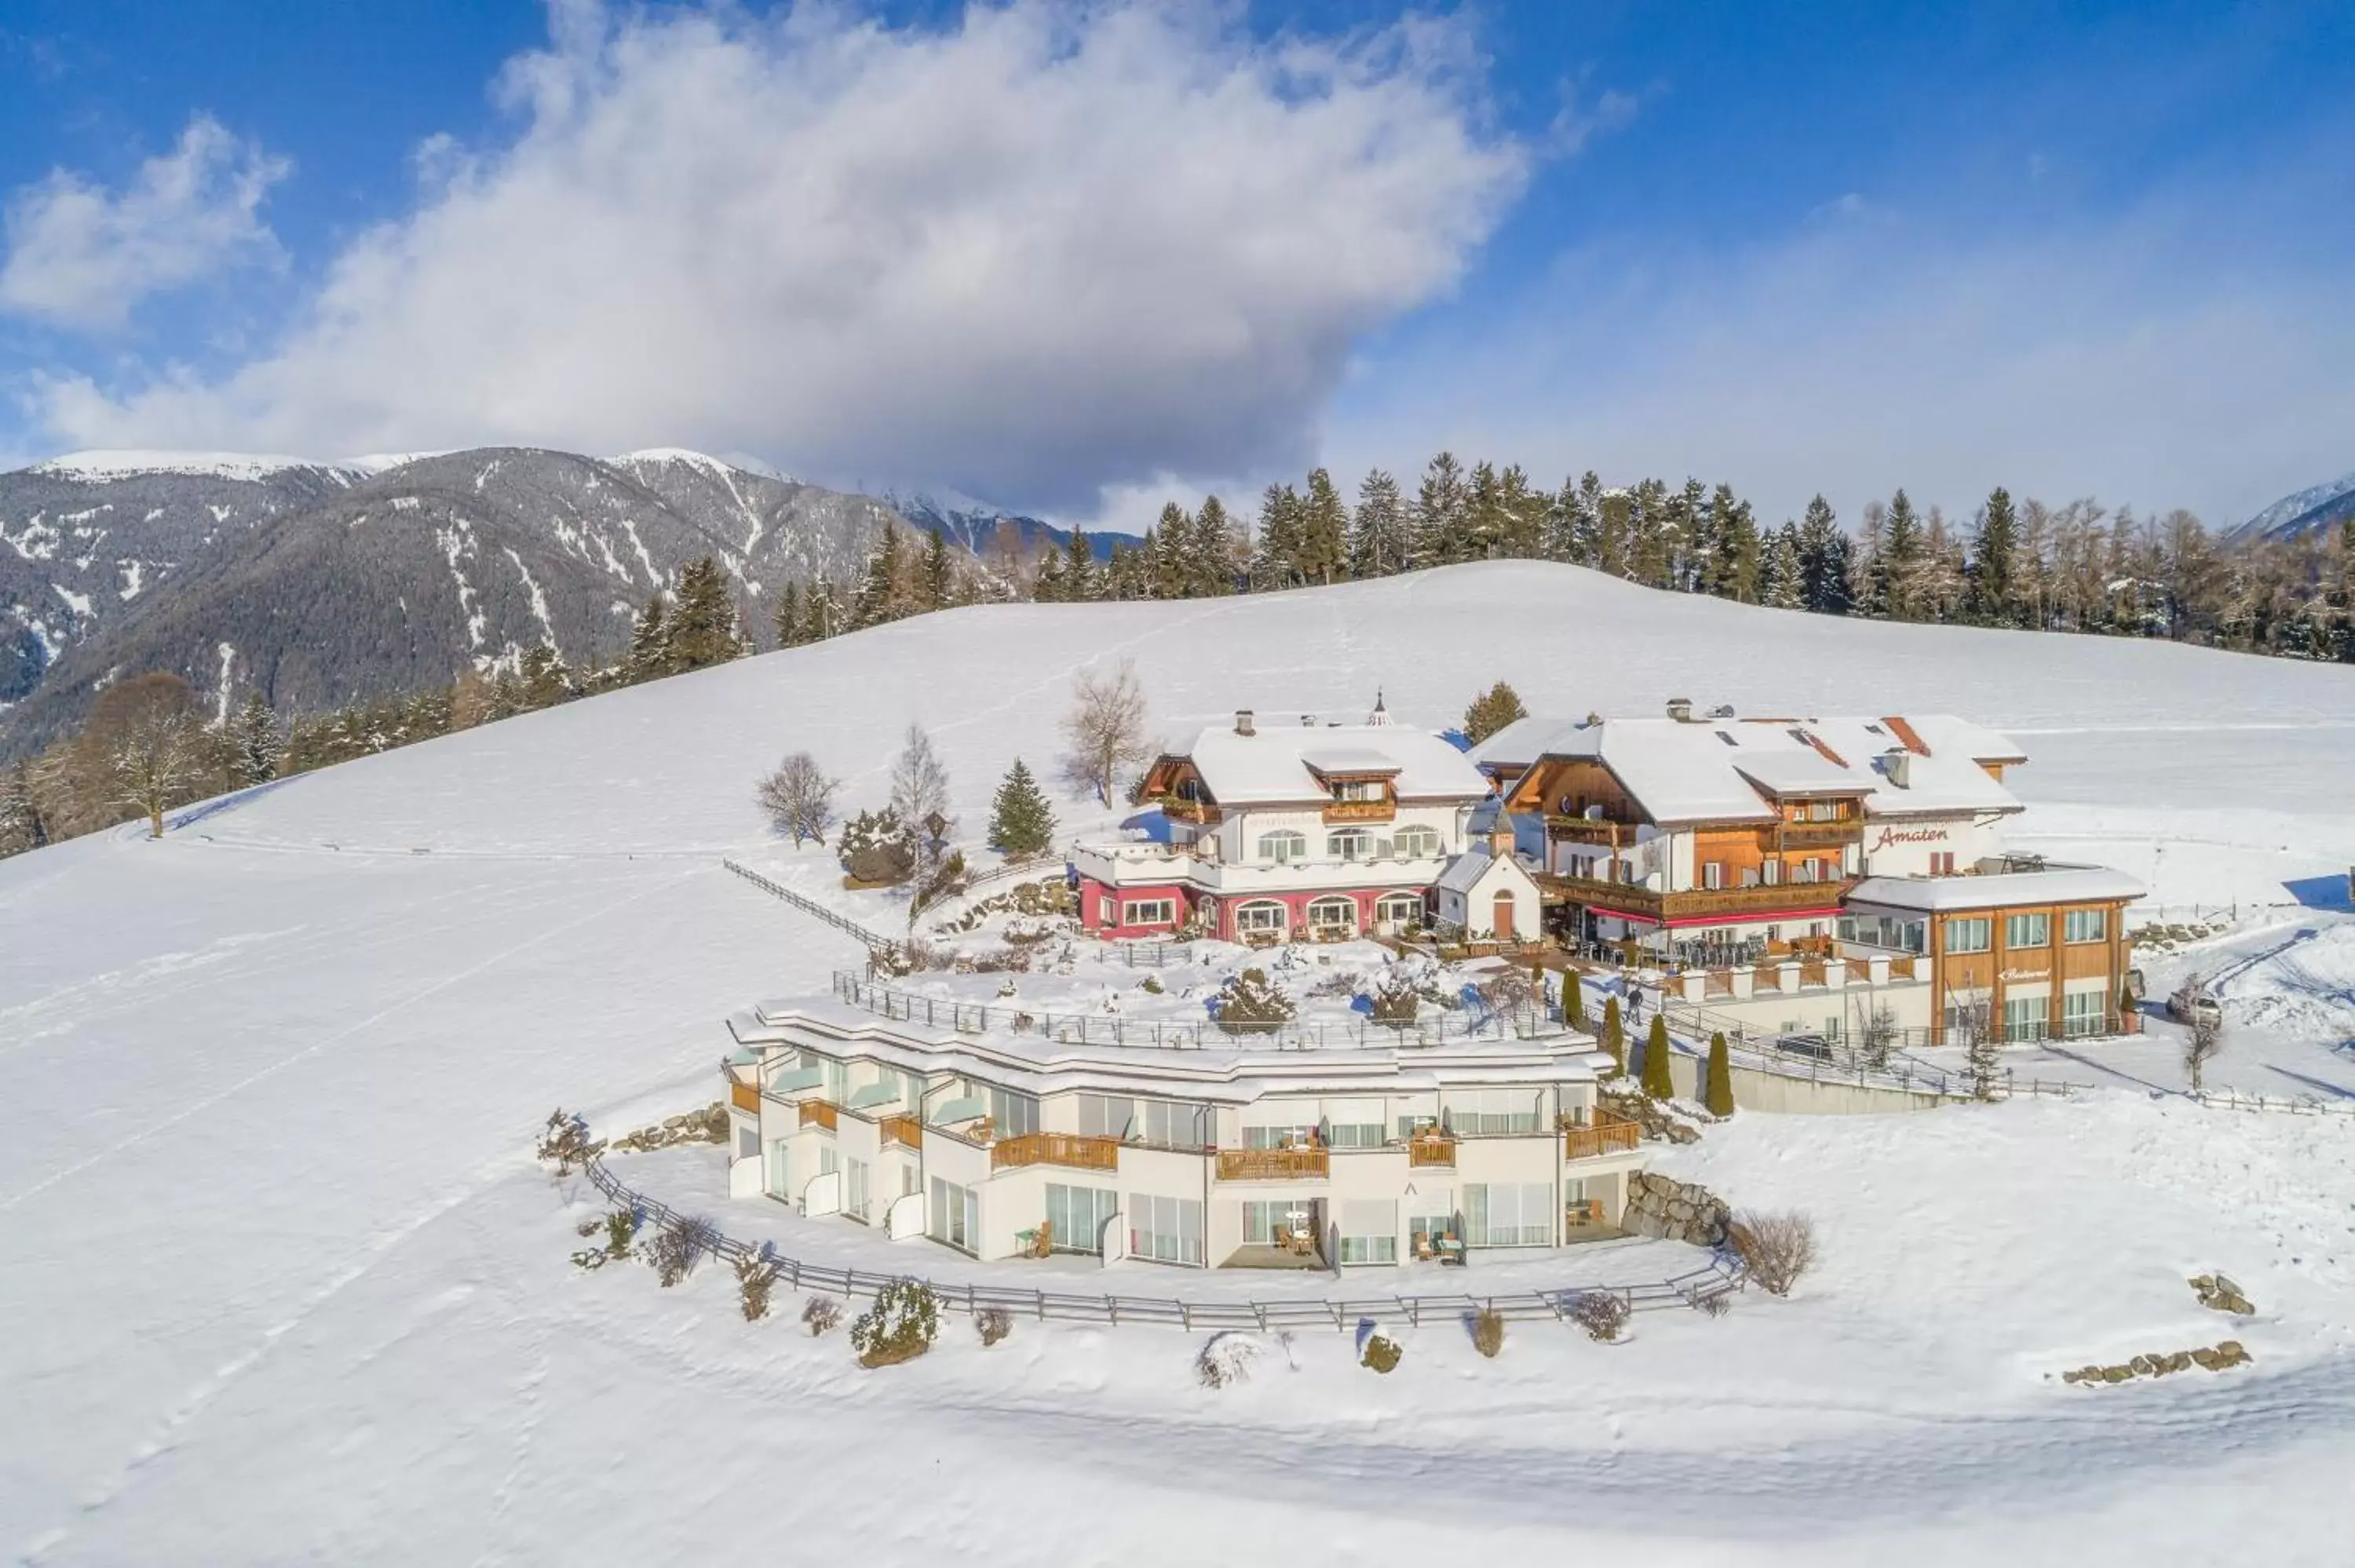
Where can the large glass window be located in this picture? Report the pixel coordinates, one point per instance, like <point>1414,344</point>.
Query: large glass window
<point>1169,1124</point>
<point>2024,1018</point>
<point>954,1216</point>
<point>1349,843</point>
<point>2086,925</point>
<point>1509,1214</point>
<point>1970,936</point>
<point>2027,930</point>
<point>1401,910</point>
<point>1333,917</point>
<point>1415,842</point>
<point>1475,1113</point>
<point>1281,847</point>
<point>857,1193</point>
<point>1149,912</point>
<point>1012,1114</point>
<point>1079,1216</point>
<point>2081,1013</point>
<point>1368,1232</point>
<point>1166,1229</point>
<point>1263,918</point>
<point>1270,1222</point>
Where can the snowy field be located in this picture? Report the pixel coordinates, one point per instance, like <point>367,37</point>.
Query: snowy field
<point>284,1285</point>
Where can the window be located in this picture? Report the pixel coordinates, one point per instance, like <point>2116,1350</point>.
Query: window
<point>777,1181</point>
<point>1749,876</point>
<point>1823,810</point>
<point>2027,930</point>
<point>837,1080</point>
<point>2081,1013</point>
<point>856,1189</point>
<point>1149,912</point>
<point>1401,909</point>
<point>1773,869</point>
<point>1368,1232</point>
<point>1430,1214</point>
<point>1476,1113</point>
<point>1712,874</point>
<point>1351,844</point>
<point>2024,1017</point>
<point>1079,1216</point>
<point>1166,1229</point>
<point>1509,1214</point>
<point>2086,925</point>
<point>1970,936</point>
<point>1415,842</point>
<point>1942,863</point>
<point>1012,1114</point>
<point>1358,790</point>
<point>1804,871</point>
<point>1267,1221</point>
<point>1169,1124</point>
<point>1265,919</point>
<point>1333,917</point>
<point>1282,847</point>
<point>954,1216</point>
<point>747,1142</point>
<point>1354,1134</point>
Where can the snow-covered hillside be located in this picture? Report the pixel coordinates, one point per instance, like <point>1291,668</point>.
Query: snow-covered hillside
<point>284,1283</point>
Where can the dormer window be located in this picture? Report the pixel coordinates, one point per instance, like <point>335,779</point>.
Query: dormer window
<point>1358,789</point>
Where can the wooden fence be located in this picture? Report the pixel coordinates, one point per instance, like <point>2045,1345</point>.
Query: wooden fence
<point>1722,1276</point>
<point>873,941</point>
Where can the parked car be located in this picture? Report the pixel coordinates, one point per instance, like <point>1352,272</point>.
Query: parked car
<point>2190,1005</point>
<point>1811,1045</point>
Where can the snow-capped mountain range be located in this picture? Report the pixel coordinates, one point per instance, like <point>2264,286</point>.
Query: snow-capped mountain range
<point>2309,511</point>
<point>317,582</point>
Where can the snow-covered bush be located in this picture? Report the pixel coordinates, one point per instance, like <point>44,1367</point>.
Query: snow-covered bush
<point>822,1316</point>
<point>993,1324</point>
<point>877,849</point>
<point>899,1326</point>
<point>756,1275</point>
<point>1380,1352</point>
<point>1602,1313</point>
<point>1250,1003</point>
<point>1225,1360</point>
<point>1777,1247</point>
<point>680,1247</point>
<point>1488,1331</point>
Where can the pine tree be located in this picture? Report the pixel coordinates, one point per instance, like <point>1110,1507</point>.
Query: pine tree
<point>1823,561</point>
<point>545,683</point>
<point>1021,823</point>
<point>22,825</point>
<point>939,578</point>
<point>1491,711</point>
<point>1438,533</point>
<point>878,583</point>
<point>1736,566</point>
<point>1719,1097</point>
<point>1276,547</point>
<point>1324,531</point>
<point>1658,1083</point>
<point>789,617</point>
<point>1902,551</point>
<point>1615,1037</point>
<point>257,741</point>
<point>1210,560</point>
<point>704,629</point>
<point>649,657</point>
<point>1573,1001</point>
<point>1378,541</point>
<point>1783,577</point>
<point>822,613</point>
<point>1991,594</point>
<point>1169,542</point>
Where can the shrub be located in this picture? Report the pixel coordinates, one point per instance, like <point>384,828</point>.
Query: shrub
<point>1395,998</point>
<point>756,1275</point>
<point>993,1324</point>
<point>1719,1095</point>
<point>1250,1003</point>
<point>1225,1360</point>
<point>1658,1083</point>
<point>877,849</point>
<point>680,1247</point>
<point>1153,986</point>
<point>588,1258</point>
<point>1380,1352</point>
<point>1488,1331</point>
<point>1716,1306</point>
<point>565,1140</point>
<point>822,1316</point>
<point>899,1326</point>
<point>621,1230</point>
<point>1614,1037</point>
<point>1777,1248</point>
<point>1573,1001</point>
<point>1600,1313</point>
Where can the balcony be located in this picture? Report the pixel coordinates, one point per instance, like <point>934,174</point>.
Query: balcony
<point>1055,1149</point>
<point>1431,1151</point>
<point>1589,830</point>
<point>818,1113</point>
<point>745,1097</point>
<point>1608,1135</point>
<point>1809,836</point>
<point>902,1129</point>
<point>1275,1164</point>
<point>1360,812</point>
<point>1180,810</point>
<point>1761,902</point>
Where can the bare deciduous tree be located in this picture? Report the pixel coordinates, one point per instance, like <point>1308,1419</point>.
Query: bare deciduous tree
<point>1971,1025</point>
<point>155,762</point>
<point>1777,1248</point>
<point>920,784</point>
<point>1105,727</point>
<point>799,799</point>
<point>2201,1043</point>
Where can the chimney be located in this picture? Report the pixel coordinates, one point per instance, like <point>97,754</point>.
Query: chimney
<point>1680,709</point>
<point>1243,722</point>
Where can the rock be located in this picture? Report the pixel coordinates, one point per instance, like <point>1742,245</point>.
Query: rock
<point>2205,1358</point>
<point>2117,1375</point>
<point>2141,1366</point>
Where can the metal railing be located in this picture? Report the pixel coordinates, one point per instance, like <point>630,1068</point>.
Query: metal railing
<point>1723,1275</point>
<point>1434,1027</point>
<point>1762,1051</point>
<point>2300,1105</point>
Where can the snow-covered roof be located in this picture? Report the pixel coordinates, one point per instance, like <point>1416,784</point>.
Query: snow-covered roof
<point>1275,766</point>
<point>2055,884</point>
<point>1730,770</point>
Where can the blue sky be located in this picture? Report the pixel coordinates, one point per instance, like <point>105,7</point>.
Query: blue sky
<point>1077,259</point>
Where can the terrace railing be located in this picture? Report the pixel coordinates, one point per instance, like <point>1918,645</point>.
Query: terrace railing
<point>1274,1164</point>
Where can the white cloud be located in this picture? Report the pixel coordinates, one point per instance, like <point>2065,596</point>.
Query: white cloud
<point>1056,247</point>
<point>79,256</point>
<point>2150,357</point>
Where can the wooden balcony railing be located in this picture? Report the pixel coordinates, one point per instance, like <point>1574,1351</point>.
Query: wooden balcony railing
<point>904,1130</point>
<point>1634,899</point>
<point>820,1113</point>
<point>1608,1135</point>
<point>1273,1164</point>
<point>1183,810</point>
<point>1589,830</point>
<point>745,1096</point>
<point>1814,835</point>
<point>1430,1151</point>
<point>1811,972</point>
<point>1360,812</point>
<point>1055,1149</point>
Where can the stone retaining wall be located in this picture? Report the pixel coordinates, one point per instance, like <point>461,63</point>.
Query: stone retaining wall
<point>1662,1206</point>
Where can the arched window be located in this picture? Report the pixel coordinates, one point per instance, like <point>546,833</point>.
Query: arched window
<point>1282,846</point>
<point>1263,918</point>
<point>1402,910</point>
<point>1334,916</point>
<point>1351,844</point>
<point>1415,844</point>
